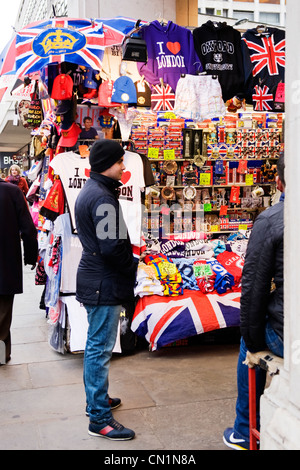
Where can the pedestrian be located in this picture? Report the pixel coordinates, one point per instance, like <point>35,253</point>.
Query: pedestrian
<point>15,177</point>
<point>105,280</point>
<point>261,313</point>
<point>16,225</point>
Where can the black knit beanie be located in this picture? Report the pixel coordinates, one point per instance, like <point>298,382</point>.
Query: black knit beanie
<point>104,154</point>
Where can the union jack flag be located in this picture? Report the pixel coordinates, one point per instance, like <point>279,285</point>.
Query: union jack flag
<point>267,54</point>
<point>63,39</point>
<point>162,98</point>
<point>261,98</point>
<point>163,320</point>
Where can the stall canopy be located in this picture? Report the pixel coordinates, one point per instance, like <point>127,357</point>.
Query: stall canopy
<point>79,41</point>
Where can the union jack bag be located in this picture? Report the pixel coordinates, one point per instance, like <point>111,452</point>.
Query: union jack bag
<point>162,98</point>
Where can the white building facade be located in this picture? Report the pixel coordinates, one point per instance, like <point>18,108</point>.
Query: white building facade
<point>259,11</point>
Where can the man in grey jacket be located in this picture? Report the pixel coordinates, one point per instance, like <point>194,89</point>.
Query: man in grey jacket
<point>261,307</point>
<point>105,280</point>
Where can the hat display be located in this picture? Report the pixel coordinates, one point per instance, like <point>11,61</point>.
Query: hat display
<point>62,87</point>
<point>104,94</point>
<point>143,93</point>
<point>63,107</point>
<point>69,136</point>
<point>104,154</point>
<point>124,91</point>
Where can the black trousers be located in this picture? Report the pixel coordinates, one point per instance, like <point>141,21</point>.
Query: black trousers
<point>6,307</point>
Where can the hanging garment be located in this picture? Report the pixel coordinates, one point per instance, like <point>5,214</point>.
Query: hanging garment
<point>218,46</point>
<point>73,172</point>
<point>133,184</point>
<point>199,98</point>
<point>171,52</point>
<point>264,65</point>
<point>125,118</point>
<point>72,251</point>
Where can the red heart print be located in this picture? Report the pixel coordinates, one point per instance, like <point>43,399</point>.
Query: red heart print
<point>174,47</point>
<point>87,172</point>
<point>126,177</point>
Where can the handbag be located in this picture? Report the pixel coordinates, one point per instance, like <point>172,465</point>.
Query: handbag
<point>35,112</point>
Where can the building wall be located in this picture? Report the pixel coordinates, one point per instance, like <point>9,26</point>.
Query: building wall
<point>260,11</point>
<point>145,10</point>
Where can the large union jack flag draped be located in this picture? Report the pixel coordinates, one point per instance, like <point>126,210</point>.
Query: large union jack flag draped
<point>267,54</point>
<point>79,41</point>
<point>163,320</point>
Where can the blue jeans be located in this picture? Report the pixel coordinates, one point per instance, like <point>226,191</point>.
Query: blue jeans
<point>275,345</point>
<point>101,337</point>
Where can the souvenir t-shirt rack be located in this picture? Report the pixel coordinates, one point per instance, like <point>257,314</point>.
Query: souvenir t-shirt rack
<point>201,124</point>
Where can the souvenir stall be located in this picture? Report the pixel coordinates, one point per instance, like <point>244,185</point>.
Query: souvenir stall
<point>200,115</point>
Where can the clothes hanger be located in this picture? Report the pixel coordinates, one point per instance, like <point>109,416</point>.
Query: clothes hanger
<point>261,28</point>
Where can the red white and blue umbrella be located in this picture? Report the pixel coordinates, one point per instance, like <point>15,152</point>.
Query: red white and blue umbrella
<point>79,41</point>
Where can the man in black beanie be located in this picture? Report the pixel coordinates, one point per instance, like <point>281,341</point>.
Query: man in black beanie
<point>105,280</point>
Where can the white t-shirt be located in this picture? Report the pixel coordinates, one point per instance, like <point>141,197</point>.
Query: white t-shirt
<point>73,171</point>
<point>72,251</point>
<point>130,195</point>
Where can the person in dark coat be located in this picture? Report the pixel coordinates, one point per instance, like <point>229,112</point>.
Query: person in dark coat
<point>16,225</point>
<point>105,280</point>
<point>262,313</point>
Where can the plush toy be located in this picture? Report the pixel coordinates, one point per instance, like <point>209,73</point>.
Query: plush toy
<point>236,103</point>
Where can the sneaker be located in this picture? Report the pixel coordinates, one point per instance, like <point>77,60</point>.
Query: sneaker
<point>111,430</point>
<point>233,440</point>
<point>114,403</point>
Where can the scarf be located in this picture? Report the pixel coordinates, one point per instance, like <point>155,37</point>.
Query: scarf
<point>14,179</point>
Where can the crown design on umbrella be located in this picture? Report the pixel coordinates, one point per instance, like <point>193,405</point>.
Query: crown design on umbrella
<point>58,40</point>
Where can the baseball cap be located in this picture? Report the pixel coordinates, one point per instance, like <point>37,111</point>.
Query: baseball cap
<point>124,91</point>
<point>69,136</point>
<point>63,106</point>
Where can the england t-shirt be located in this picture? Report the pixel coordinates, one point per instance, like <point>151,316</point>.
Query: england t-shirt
<point>74,172</point>
<point>130,195</point>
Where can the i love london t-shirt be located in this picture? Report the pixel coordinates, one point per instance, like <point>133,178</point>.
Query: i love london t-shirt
<point>130,195</point>
<point>73,171</point>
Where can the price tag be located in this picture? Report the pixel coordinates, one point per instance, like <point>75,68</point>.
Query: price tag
<point>169,115</point>
<point>214,228</point>
<point>249,180</point>
<point>153,152</point>
<point>169,154</point>
<point>205,179</point>
<point>201,270</point>
<point>207,207</point>
<point>243,227</point>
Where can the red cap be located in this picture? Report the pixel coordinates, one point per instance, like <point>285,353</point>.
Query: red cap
<point>69,136</point>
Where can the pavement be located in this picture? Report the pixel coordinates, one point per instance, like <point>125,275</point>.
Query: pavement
<point>178,398</point>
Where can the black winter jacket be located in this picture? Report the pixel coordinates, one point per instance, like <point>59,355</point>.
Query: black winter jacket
<point>263,264</point>
<point>106,272</point>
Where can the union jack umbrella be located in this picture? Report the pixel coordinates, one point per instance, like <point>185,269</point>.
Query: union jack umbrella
<point>163,320</point>
<point>162,98</point>
<point>262,97</point>
<point>79,41</point>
